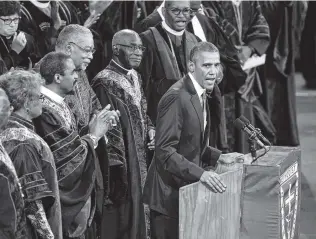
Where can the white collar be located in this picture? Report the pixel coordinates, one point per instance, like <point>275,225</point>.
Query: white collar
<point>199,90</point>
<point>40,4</point>
<point>168,29</point>
<point>159,10</point>
<point>129,72</point>
<point>52,95</point>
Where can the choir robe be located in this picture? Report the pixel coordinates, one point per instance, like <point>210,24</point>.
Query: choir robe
<point>128,216</point>
<point>12,220</point>
<point>38,24</point>
<point>250,29</point>
<point>285,20</point>
<point>75,160</point>
<point>35,167</point>
<point>160,68</point>
<point>12,59</point>
<point>234,77</point>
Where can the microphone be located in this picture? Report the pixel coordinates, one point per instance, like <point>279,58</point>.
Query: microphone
<point>258,131</point>
<point>239,124</point>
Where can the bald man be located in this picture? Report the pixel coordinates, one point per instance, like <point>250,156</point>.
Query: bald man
<point>12,220</point>
<point>119,84</point>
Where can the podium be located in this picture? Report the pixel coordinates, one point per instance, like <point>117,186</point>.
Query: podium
<point>262,200</point>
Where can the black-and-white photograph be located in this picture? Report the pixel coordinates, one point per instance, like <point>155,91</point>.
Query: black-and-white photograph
<point>144,119</point>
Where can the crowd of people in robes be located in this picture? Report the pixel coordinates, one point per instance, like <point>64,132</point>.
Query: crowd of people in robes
<point>85,86</point>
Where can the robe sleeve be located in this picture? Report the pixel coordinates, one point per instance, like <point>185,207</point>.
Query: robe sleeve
<point>168,133</point>
<point>28,167</point>
<point>258,33</point>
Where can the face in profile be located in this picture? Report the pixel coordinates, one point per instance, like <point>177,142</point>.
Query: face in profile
<point>131,51</point>
<point>82,51</point>
<point>207,68</point>
<point>177,14</point>
<point>4,108</point>
<point>69,78</point>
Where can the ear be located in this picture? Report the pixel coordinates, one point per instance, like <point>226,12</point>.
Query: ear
<point>115,51</point>
<point>68,49</point>
<point>57,78</point>
<point>191,66</point>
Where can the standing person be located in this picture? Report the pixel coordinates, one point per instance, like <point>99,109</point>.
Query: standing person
<point>17,48</point>
<point>12,220</point>
<point>285,20</point>
<point>248,30</point>
<point>31,156</point>
<point>78,169</point>
<point>167,52</point>
<point>120,85</point>
<point>181,150</point>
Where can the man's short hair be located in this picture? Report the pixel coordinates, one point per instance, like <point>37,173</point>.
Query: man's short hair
<point>202,47</point>
<point>71,33</point>
<point>53,63</point>
<point>20,86</point>
<point>8,8</point>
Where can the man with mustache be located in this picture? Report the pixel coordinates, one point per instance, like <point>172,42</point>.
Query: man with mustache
<point>78,170</point>
<point>120,85</point>
<point>181,150</point>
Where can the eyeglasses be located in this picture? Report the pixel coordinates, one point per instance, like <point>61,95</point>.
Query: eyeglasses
<point>84,49</point>
<point>134,47</point>
<point>8,21</point>
<point>177,11</point>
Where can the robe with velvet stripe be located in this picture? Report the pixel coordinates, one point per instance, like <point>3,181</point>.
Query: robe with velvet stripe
<point>75,162</point>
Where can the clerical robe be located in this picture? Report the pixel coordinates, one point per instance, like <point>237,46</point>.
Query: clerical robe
<point>244,24</point>
<point>285,20</point>
<point>12,219</point>
<point>124,92</point>
<point>35,167</point>
<point>161,66</point>
<point>75,161</point>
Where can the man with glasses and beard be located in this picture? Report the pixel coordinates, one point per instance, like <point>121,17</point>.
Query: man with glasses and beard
<point>120,85</point>
<point>17,48</point>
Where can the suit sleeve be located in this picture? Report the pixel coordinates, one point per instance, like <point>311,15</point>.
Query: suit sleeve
<point>168,133</point>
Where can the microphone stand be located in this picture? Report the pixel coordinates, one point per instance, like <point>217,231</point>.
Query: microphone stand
<point>253,145</point>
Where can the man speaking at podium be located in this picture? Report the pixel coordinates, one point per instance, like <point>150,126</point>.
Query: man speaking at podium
<point>182,132</point>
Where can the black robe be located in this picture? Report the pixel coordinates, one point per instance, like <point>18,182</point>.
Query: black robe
<point>35,166</point>
<point>128,145</point>
<point>76,164</point>
<point>284,20</point>
<point>12,220</point>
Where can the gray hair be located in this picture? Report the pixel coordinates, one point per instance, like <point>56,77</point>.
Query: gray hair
<point>202,47</point>
<point>20,86</point>
<point>120,36</point>
<point>71,33</point>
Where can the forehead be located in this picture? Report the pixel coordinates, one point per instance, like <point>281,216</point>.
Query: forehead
<point>178,4</point>
<point>10,17</point>
<point>131,39</point>
<point>208,57</point>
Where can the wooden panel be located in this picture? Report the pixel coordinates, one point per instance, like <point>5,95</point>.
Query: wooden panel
<point>207,215</point>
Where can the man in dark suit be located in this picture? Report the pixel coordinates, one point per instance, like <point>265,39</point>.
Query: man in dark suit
<point>182,132</point>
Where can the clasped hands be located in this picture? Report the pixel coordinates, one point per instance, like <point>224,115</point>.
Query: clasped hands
<point>103,121</point>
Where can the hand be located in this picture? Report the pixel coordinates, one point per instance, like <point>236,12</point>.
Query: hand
<point>111,117</point>
<point>101,122</point>
<point>244,54</point>
<point>151,135</point>
<point>19,42</point>
<point>213,180</point>
<point>92,19</point>
<point>57,22</point>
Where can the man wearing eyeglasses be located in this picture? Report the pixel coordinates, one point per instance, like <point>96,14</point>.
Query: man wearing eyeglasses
<point>120,85</point>
<point>17,48</point>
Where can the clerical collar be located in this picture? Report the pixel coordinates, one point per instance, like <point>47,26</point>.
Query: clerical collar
<point>168,29</point>
<point>199,90</point>
<point>122,69</point>
<point>52,95</point>
<point>40,4</point>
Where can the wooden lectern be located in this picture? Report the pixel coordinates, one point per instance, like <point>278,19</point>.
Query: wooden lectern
<point>262,200</point>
